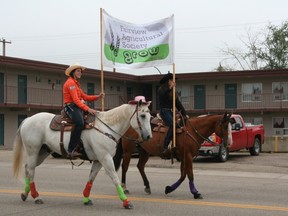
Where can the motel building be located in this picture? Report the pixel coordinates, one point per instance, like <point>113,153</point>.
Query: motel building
<point>28,87</point>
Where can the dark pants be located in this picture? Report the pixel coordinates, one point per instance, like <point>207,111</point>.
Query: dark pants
<point>76,114</point>
<point>167,117</point>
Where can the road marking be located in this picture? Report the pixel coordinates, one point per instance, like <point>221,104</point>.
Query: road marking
<point>159,200</point>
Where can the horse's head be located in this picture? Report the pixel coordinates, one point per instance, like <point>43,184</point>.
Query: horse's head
<point>140,120</point>
<point>223,129</point>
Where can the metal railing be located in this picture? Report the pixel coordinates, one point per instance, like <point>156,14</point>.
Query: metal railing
<point>49,98</point>
<point>265,102</point>
<point>39,97</point>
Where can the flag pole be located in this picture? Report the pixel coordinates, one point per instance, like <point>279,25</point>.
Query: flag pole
<point>101,60</point>
<point>174,109</point>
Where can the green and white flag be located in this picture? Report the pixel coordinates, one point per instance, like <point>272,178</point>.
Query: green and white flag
<point>126,45</point>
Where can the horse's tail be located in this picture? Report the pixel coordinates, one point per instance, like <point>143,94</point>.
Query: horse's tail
<point>17,153</point>
<point>118,156</point>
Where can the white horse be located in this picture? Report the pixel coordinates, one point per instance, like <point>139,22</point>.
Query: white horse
<point>39,141</point>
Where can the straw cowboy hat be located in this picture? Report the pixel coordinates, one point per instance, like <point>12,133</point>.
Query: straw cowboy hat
<point>168,76</point>
<point>73,67</point>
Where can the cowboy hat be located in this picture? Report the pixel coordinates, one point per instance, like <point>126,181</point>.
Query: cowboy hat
<point>73,67</point>
<point>167,77</point>
<point>138,99</point>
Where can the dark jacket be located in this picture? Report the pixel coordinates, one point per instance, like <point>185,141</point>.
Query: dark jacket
<point>165,96</point>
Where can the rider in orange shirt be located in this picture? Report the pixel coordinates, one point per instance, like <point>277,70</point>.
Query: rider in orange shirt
<point>74,99</point>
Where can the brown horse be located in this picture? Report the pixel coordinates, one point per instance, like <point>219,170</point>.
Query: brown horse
<point>188,141</point>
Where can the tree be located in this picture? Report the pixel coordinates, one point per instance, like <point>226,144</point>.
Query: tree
<point>263,50</point>
<point>274,50</point>
<point>221,68</point>
<point>245,59</point>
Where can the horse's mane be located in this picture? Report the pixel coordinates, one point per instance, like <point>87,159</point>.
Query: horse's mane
<point>114,115</point>
<point>200,118</point>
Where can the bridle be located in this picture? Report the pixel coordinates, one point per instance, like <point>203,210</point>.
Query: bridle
<point>111,136</point>
<point>137,118</point>
<point>220,122</point>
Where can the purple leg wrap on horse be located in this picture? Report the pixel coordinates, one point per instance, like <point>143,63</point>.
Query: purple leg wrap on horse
<point>192,187</point>
<point>176,185</point>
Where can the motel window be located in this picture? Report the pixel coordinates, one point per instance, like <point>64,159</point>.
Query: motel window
<point>251,92</point>
<point>38,79</point>
<point>280,91</point>
<point>280,125</point>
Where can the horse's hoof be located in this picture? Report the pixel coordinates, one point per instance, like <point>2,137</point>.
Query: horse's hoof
<point>126,191</point>
<point>88,203</point>
<point>198,196</point>
<point>39,201</point>
<point>128,206</point>
<point>168,189</point>
<point>23,197</point>
<point>147,190</point>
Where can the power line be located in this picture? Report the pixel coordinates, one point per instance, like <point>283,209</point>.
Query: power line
<point>216,28</point>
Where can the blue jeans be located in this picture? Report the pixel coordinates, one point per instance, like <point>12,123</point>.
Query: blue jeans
<point>76,115</point>
<point>167,117</point>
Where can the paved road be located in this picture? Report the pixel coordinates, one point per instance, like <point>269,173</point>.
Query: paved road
<point>244,185</point>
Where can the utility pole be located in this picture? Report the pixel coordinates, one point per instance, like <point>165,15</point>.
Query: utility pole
<point>4,45</point>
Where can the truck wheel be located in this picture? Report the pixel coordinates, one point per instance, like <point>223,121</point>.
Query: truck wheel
<point>223,153</point>
<point>255,150</point>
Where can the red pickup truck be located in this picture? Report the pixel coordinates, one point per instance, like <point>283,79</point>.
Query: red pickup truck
<point>244,136</point>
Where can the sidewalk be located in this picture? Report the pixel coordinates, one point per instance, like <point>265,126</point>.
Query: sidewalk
<point>265,162</point>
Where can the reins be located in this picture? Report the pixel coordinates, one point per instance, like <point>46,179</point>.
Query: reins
<point>200,135</point>
<point>73,164</point>
<point>111,136</point>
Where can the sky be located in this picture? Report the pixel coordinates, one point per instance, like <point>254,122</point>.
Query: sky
<point>68,31</point>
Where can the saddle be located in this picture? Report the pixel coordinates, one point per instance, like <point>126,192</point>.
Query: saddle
<point>63,121</point>
<point>158,125</point>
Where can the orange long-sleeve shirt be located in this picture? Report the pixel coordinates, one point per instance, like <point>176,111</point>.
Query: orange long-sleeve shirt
<point>72,93</point>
